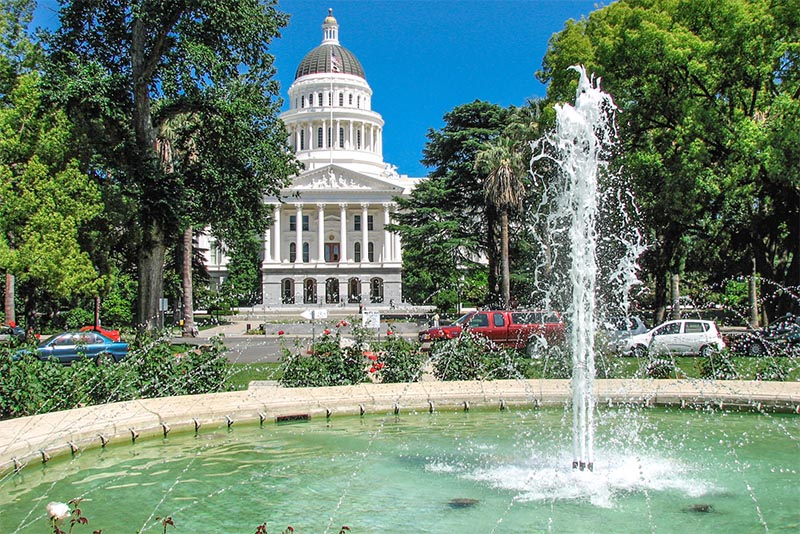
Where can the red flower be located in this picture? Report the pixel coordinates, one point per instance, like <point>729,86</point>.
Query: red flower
<point>373,357</point>
<point>373,369</point>
<point>389,332</point>
<point>280,332</point>
<point>379,365</point>
<point>326,332</point>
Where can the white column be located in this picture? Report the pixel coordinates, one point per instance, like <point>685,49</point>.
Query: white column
<point>324,133</point>
<point>364,234</point>
<point>387,249</point>
<point>276,229</point>
<point>298,232</point>
<point>350,143</point>
<point>321,233</point>
<point>343,230</point>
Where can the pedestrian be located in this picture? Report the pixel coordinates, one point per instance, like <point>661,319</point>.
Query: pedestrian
<point>436,320</point>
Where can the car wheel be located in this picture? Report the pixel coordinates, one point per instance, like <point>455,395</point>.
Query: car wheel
<point>706,351</point>
<point>756,348</point>
<point>639,351</point>
<point>104,358</point>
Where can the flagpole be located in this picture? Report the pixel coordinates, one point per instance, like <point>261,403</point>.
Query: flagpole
<point>330,102</point>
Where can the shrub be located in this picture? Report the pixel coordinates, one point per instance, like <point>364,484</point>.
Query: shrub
<point>401,359</point>
<point>329,364</point>
<point>718,366</point>
<point>471,357</point>
<point>659,368</point>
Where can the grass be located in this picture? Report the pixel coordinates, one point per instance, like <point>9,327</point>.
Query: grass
<point>243,373</point>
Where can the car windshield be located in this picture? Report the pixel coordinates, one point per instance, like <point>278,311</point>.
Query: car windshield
<point>44,342</point>
<point>464,318</point>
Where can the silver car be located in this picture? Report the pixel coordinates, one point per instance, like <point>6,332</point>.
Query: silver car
<point>683,336</point>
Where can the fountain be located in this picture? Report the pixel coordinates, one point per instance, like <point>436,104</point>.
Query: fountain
<point>433,456</point>
<point>580,148</point>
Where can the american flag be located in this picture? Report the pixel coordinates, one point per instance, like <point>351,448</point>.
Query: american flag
<point>336,63</point>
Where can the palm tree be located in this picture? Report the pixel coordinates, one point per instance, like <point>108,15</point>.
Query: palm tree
<point>168,136</point>
<point>504,189</point>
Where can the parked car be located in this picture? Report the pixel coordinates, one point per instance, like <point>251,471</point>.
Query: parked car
<point>11,334</point>
<point>517,329</point>
<point>684,336</point>
<point>113,335</point>
<point>70,346</point>
<point>618,329</point>
<point>781,337</point>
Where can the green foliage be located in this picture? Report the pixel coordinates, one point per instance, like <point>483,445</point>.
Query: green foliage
<point>709,94</point>
<point>401,359</point>
<point>117,307</point>
<point>472,357</point>
<point>29,386</point>
<point>75,318</point>
<point>328,364</point>
<point>659,368</point>
<point>718,366</point>
<point>773,369</point>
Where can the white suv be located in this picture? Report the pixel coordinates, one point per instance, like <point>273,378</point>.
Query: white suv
<point>684,336</point>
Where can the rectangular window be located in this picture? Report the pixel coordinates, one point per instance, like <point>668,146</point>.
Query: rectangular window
<point>305,223</point>
<point>370,225</point>
<point>292,223</point>
<point>332,252</point>
<point>356,222</point>
<point>306,253</point>
<point>371,251</point>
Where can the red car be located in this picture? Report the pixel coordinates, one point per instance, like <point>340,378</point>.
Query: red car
<point>518,329</point>
<point>113,335</point>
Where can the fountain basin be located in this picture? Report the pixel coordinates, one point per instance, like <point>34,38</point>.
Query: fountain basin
<point>482,470</point>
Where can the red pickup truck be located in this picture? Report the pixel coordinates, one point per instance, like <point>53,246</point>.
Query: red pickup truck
<point>517,329</point>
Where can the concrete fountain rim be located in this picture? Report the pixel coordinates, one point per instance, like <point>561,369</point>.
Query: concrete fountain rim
<point>39,438</point>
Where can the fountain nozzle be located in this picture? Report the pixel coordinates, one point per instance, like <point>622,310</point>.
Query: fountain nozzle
<point>590,466</point>
<point>574,464</point>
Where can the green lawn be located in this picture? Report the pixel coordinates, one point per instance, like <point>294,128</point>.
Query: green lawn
<point>243,373</point>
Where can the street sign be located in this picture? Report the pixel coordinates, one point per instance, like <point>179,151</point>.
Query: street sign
<point>315,314</point>
<point>371,320</point>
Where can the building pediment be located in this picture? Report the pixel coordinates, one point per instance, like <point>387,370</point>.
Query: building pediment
<point>335,178</point>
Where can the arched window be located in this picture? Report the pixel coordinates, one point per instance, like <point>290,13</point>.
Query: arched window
<point>319,137</point>
<point>331,291</point>
<point>341,137</point>
<point>287,291</point>
<point>306,253</point>
<point>350,99</point>
<point>357,252</point>
<point>376,290</point>
<point>292,252</point>
<point>354,290</point>
<point>341,99</point>
<point>309,291</point>
<point>371,251</point>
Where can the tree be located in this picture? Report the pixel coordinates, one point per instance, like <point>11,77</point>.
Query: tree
<point>123,69</point>
<point>46,199</point>
<point>704,86</point>
<point>451,203</point>
<point>502,162</point>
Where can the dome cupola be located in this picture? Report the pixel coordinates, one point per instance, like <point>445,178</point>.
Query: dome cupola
<point>330,56</point>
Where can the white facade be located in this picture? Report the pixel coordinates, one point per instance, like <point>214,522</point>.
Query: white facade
<point>329,245</point>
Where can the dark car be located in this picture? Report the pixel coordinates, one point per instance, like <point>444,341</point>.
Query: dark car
<point>779,338</point>
<point>618,329</point>
<point>70,346</point>
<point>11,334</point>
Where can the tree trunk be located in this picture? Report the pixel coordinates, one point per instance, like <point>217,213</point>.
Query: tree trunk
<point>8,302</point>
<point>660,309</point>
<point>752,295</point>
<point>505,271</point>
<point>675,295</point>
<point>151,277</point>
<point>188,290</point>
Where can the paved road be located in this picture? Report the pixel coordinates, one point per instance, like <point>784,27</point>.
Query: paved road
<point>295,336</point>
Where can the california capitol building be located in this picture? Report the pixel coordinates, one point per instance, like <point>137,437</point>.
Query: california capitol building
<point>329,245</point>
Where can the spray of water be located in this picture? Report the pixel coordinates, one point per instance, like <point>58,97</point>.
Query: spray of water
<point>579,151</point>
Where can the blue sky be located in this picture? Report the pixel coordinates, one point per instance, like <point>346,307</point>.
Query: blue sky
<point>422,58</point>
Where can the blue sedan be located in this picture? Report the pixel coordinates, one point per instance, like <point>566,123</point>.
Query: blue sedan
<point>70,346</point>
